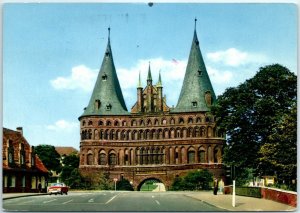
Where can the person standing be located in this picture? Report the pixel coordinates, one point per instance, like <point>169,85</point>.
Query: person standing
<point>215,186</point>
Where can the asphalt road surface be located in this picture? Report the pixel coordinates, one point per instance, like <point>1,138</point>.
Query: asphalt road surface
<point>109,201</point>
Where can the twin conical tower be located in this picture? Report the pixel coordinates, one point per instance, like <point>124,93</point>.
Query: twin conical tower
<point>196,94</point>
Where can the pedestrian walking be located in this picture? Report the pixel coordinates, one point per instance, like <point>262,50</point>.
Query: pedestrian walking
<point>40,187</point>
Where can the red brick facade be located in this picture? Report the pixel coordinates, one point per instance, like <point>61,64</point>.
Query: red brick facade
<point>23,171</point>
<point>153,141</point>
<point>151,146</point>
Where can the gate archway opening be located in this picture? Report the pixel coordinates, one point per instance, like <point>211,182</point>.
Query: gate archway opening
<point>152,184</point>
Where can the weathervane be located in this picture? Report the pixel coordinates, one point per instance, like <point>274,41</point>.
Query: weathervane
<point>195,22</point>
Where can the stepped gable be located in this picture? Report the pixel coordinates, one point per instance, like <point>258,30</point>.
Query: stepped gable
<point>107,97</point>
<point>197,93</point>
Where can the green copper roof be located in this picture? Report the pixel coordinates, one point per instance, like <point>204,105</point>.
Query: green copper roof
<point>197,93</point>
<point>159,83</point>
<point>149,77</point>
<point>107,97</point>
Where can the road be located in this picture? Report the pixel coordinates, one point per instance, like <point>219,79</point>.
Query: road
<point>109,201</point>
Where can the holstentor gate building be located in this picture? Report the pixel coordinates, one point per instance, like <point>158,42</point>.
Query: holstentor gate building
<point>153,140</point>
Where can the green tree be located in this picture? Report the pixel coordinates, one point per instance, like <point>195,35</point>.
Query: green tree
<point>69,172</point>
<point>279,155</point>
<point>250,113</point>
<point>49,157</point>
<point>124,184</point>
<point>194,180</point>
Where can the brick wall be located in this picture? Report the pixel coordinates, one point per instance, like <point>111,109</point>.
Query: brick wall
<point>281,196</point>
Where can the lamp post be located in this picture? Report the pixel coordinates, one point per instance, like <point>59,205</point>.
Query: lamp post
<point>115,180</point>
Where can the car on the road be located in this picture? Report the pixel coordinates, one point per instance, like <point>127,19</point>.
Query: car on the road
<point>57,188</point>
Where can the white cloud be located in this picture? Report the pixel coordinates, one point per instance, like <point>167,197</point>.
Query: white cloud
<point>81,77</point>
<point>234,57</point>
<point>63,125</point>
<point>219,77</point>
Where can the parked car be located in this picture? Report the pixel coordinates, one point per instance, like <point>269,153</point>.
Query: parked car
<point>57,188</point>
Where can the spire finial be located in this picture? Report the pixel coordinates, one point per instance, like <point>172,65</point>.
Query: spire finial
<point>108,33</point>
<point>149,77</point>
<point>139,82</point>
<point>195,22</point>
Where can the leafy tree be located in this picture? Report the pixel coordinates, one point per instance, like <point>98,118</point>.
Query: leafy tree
<point>177,184</point>
<point>98,180</point>
<point>49,157</point>
<point>279,155</point>
<point>124,184</point>
<point>69,172</point>
<point>194,180</point>
<point>250,113</point>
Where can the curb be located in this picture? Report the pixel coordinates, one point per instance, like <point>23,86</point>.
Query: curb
<point>18,196</point>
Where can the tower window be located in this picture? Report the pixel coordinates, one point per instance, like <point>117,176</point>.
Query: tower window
<point>194,103</point>
<point>97,104</point>
<point>199,72</point>
<point>108,107</point>
<point>104,77</point>
<point>107,53</point>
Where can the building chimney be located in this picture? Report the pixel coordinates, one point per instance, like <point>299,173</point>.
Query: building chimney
<point>20,130</point>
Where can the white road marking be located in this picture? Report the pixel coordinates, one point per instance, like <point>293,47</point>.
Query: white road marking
<point>67,201</point>
<point>28,202</point>
<point>48,201</point>
<point>91,200</point>
<point>111,199</point>
<point>157,202</point>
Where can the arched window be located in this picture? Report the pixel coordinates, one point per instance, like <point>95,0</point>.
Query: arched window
<point>90,123</point>
<point>108,123</point>
<point>102,159</point>
<point>142,123</point>
<point>112,159</point>
<point>190,121</point>
<point>90,159</point>
<point>116,123</point>
<point>123,123</point>
<point>100,123</point>
<point>156,122</point>
<point>10,153</point>
<point>181,121</point>
<point>172,121</point>
<point>133,123</point>
<point>198,120</point>
<point>202,156</point>
<point>164,121</point>
<point>22,155</point>
<point>191,156</point>
<point>149,123</point>
<point>83,123</point>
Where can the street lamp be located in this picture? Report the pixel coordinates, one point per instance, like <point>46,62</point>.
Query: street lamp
<point>115,180</point>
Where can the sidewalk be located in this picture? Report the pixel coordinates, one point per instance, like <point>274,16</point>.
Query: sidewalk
<point>6,196</point>
<point>242,203</point>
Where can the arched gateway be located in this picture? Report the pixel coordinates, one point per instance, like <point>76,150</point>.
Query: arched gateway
<point>152,140</point>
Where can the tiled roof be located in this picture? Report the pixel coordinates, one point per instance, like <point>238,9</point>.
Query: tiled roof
<point>65,150</point>
<point>39,164</point>
<point>196,83</point>
<point>107,97</point>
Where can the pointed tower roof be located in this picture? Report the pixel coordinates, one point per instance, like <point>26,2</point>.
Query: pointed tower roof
<point>159,83</point>
<point>140,83</point>
<point>149,77</point>
<point>197,93</point>
<point>107,97</point>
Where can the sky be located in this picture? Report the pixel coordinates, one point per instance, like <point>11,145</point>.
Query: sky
<point>52,54</point>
